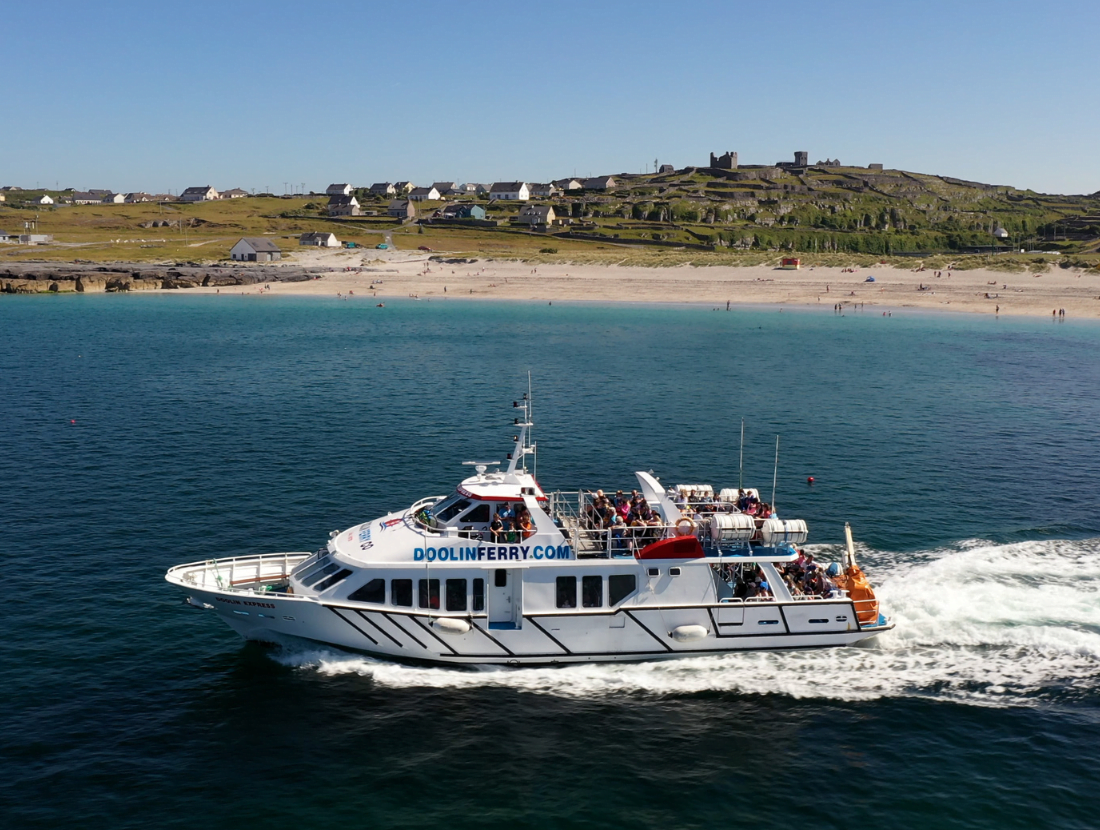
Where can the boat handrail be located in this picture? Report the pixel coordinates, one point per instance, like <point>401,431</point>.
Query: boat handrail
<point>412,512</point>
<point>227,575</point>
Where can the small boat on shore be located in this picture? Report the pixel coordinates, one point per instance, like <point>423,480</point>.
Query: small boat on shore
<point>501,572</point>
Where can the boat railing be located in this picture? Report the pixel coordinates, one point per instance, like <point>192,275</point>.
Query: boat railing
<point>415,510</point>
<point>617,541</point>
<point>240,574</point>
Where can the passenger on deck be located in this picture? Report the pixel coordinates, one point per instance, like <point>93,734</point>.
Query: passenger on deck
<point>510,530</point>
<point>505,511</point>
<point>622,507</point>
<point>527,530</point>
<point>496,530</point>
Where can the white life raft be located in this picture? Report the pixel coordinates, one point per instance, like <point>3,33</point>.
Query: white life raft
<point>731,527</point>
<point>779,531</point>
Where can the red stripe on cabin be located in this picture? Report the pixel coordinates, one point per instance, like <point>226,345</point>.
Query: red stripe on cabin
<point>679,547</point>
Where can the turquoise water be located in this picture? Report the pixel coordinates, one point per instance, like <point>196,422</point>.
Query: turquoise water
<point>141,432</point>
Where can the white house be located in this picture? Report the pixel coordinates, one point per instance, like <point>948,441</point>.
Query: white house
<point>114,199</point>
<point>600,183</point>
<point>204,193</point>
<point>321,239</point>
<point>403,187</point>
<point>535,216</point>
<point>567,184</point>
<point>509,191</point>
<point>338,190</point>
<point>133,198</point>
<point>424,194</point>
<point>255,249</point>
<point>235,193</point>
<point>89,197</point>
<point>543,191</point>
<point>343,206</point>
<point>445,187</point>
<point>382,189</point>
<point>43,200</point>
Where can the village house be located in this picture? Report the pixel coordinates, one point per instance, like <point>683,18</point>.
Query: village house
<point>475,187</point>
<point>114,198</point>
<point>322,239</point>
<point>424,194</point>
<point>402,209</point>
<point>667,168</point>
<point>464,210</point>
<point>44,199</point>
<point>567,184</point>
<point>444,187</point>
<point>338,189</point>
<point>403,187</point>
<point>163,197</point>
<point>600,183</point>
<point>536,216</point>
<point>5,237</point>
<point>543,191</point>
<point>382,189</point>
<point>255,249</point>
<point>509,191</point>
<point>134,198</point>
<point>89,197</point>
<point>343,206</point>
<point>235,193</point>
<point>203,193</point>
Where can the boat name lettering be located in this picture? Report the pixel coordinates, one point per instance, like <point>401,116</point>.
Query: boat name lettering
<point>228,601</point>
<point>492,553</point>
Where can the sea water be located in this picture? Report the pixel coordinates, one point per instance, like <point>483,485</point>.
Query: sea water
<point>141,432</point>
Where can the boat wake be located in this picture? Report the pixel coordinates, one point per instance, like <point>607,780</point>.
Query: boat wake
<point>977,623</point>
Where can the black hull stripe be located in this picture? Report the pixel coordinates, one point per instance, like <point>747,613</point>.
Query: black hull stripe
<point>438,639</point>
<point>383,631</point>
<point>400,627</point>
<point>552,638</point>
<point>493,640</point>
<point>664,645</point>
<point>353,625</point>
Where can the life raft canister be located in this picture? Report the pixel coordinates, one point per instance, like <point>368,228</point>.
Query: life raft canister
<point>862,595</point>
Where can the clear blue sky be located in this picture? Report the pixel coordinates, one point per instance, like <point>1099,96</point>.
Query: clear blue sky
<point>157,96</point>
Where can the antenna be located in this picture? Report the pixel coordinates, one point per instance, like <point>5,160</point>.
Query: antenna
<point>775,474</point>
<point>531,420</point>
<point>741,459</point>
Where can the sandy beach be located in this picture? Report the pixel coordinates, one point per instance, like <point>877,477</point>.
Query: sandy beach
<point>388,274</point>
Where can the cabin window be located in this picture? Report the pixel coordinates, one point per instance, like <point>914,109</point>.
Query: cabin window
<point>325,584</point>
<point>478,514</point>
<point>567,592</point>
<point>654,571</point>
<point>373,591</point>
<point>500,578</point>
<point>428,593</point>
<point>673,571</point>
<point>592,592</point>
<point>456,594</point>
<point>452,510</point>
<point>479,594</point>
<point>318,574</point>
<point>620,586</point>
<point>401,592</point>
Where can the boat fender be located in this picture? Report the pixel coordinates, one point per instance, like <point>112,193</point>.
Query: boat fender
<point>687,633</point>
<point>685,526</point>
<point>451,625</point>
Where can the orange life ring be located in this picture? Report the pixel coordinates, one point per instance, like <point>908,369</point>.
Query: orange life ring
<point>685,526</point>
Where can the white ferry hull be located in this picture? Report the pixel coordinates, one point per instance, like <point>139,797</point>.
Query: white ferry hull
<point>540,639</point>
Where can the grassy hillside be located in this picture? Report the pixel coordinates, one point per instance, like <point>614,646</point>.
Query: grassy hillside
<point>830,215</point>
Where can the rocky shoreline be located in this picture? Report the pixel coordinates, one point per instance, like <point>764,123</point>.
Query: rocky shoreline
<point>96,278</point>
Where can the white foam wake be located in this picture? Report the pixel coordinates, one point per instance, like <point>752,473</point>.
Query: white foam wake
<point>977,623</point>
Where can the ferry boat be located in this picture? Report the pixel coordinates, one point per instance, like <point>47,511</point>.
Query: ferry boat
<point>445,581</point>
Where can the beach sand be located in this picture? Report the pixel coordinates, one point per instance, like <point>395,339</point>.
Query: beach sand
<point>412,273</point>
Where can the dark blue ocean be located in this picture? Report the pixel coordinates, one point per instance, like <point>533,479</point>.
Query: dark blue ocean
<point>139,432</point>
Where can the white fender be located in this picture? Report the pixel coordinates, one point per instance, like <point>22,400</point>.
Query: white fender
<point>687,633</point>
<point>451,625</point>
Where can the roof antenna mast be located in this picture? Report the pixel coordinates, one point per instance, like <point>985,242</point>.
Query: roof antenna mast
<point>741,460</point>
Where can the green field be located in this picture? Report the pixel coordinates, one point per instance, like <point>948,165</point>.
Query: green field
<point>825,215</point>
